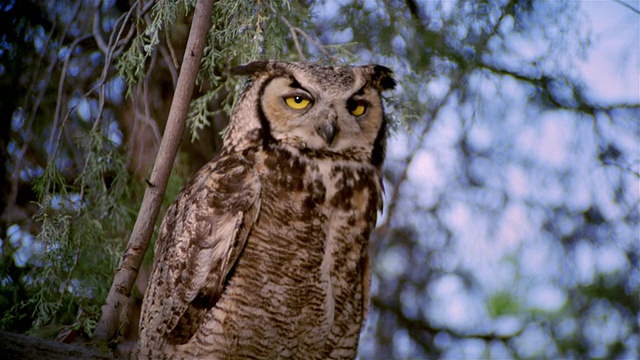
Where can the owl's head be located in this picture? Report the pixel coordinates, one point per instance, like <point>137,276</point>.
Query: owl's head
<point>311,107</point>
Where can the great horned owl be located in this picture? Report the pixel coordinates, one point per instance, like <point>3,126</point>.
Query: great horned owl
<point>264,252</point>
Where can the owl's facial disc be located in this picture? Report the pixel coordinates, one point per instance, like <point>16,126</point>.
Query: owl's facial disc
<point>316,115</point>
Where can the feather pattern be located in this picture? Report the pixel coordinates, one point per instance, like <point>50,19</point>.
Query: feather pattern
<point>204,231</point>
<point>264,253</point>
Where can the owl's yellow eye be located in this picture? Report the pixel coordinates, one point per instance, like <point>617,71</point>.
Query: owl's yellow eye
<point>297,102</point>
<point>356,108</point>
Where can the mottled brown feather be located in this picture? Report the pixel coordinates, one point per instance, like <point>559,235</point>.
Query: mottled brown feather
<point>203,233</point>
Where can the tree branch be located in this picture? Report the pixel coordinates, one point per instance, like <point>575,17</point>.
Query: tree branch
<point>422,331</point>
<point>125,277</point>
<point>628,6</point>
<point>295,30</point>
<point>383,229</point>
<point>295,38</point>
<point>21,347</point>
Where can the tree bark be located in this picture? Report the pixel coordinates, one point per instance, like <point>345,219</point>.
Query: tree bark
<point>124,279</point>
<point>21,347</point>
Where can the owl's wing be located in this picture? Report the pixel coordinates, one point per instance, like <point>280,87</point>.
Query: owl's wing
<point>201,237</point>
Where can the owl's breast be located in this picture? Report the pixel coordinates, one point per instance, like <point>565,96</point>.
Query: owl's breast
<point>300,274</point>
<point>299,286</point>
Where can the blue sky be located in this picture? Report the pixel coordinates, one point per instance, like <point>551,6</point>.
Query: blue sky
<point>612,68</point>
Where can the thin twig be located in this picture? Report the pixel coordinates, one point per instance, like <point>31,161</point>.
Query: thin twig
<point>313,41</point>
<point>41,89</point>
<point>295,30</point>
<point>109,56</point>
<point>109,52</point>
<point>134,104</point>
<point>63,76</point>
<point>628,6</point>
<point>295,38</point>
<point>67,282</point>
<point>97,33</point>
<point>124,18</point>
<point>145,90</point>
<point>152,124</point>
<point>171,59</point>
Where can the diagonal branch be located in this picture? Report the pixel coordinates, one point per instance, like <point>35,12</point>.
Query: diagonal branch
<point>295,38</point>
<point>310,39</point>
<point>628,6</point>
<point>125,277</point>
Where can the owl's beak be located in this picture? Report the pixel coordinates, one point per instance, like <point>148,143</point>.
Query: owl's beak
<point>328,131</point>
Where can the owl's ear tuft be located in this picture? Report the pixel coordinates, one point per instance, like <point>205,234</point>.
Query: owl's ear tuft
<point>251,69</point>
<point>382,79</point>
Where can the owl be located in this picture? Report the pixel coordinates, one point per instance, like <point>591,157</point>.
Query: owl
<point>264,252</point>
